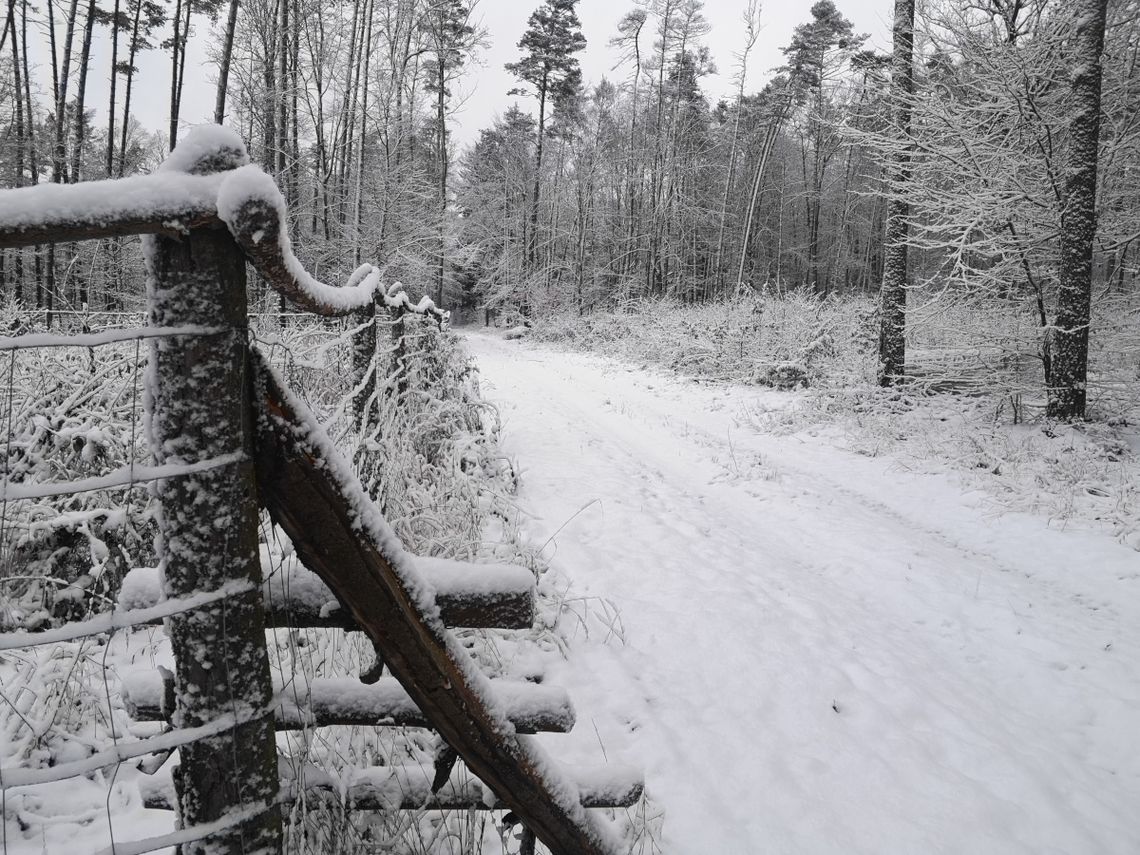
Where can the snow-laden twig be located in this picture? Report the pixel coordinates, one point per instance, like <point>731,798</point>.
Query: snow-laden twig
<point>14,778</point>
<point>23,342</point>
<point>124,476</point>
<point>122,619</point>
<point>185,835</point>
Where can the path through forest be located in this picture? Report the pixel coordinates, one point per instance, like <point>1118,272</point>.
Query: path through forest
<point>822,652</point>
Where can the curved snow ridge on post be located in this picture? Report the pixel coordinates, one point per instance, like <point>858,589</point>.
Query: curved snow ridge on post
<point>205,150</point>
<point>252,206</point>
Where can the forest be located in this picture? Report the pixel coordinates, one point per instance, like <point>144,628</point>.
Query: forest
<point>587,195</point>
<point>770,308</point>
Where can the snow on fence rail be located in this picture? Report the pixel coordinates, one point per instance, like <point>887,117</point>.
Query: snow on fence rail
<point>203,215</point>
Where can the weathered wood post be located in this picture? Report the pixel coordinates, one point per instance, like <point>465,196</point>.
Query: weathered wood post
<point>399,364</point>
<point>363,370</point>
<point>199,408</point>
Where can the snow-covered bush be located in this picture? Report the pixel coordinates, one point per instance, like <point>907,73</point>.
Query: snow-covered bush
<point>72,413</point>
<point>795,340</point>
<point>429,455</point>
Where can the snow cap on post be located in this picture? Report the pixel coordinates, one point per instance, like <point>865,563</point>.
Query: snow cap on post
<point>205,150</point>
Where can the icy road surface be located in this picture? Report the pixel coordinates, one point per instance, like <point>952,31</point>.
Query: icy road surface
<point>822,653</point>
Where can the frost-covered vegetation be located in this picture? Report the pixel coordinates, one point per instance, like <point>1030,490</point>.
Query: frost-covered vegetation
<point>428,453</point>
<point>974,404</point>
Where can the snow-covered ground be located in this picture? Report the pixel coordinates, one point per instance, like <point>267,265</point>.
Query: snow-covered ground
<point>820,652</point>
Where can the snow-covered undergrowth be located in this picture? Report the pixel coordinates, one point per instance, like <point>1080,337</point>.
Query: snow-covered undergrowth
<point>428,454</point>
<point>976,405</point>
<point>785,343</point>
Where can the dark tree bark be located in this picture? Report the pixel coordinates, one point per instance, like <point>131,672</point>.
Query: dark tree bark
<point>178,63</point>
<point>892,295</point>
<point>81,94</point>
<point>132,53</point>
<point>209,527</point>
<point>533,242</point>
<point>58,152</point>
<point>1067,392</point>
<point>17,70</point>
<point>363,371</point>
<point>224,66</point>
<point>110,170</point>
<point>283,101</point>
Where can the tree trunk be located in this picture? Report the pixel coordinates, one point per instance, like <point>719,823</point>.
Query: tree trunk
<point>114,79</point>
<point>59,152</point>
<point>134,49</point>
<point>283,103</point>
<point>34,177</point>
<point>441,156</point>
<point>224,66</point>
<point>17,71</point>
<point>174,42</point>
<point>532,241</point>
<point>1067,393</point>
<point>358,202</point>
<point>765,152</point>
<point>752,16</point>
<point>81,94</point>
<point>892,295</point>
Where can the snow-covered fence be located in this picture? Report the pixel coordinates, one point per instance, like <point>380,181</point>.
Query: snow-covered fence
<point>226,435</point>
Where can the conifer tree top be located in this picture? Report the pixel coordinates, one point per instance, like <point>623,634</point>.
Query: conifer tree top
<point>552,37</point>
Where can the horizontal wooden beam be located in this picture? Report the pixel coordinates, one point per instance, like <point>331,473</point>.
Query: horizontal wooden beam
<point>484,596</point>
<point>389,788</point>
<point>322,702</point>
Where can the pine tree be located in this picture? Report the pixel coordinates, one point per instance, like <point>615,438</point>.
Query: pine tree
<point>548,64</point>
<point>818,51</point>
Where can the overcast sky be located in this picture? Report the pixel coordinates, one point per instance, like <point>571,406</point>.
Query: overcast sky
<point>506,21</point>
<point>486,84</point>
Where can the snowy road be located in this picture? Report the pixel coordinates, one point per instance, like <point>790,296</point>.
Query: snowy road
<point>823,653</point>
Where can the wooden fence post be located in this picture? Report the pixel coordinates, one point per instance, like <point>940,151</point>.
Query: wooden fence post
<point>363,357</point>
<point>199,408</point>
<point>399,364</point>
